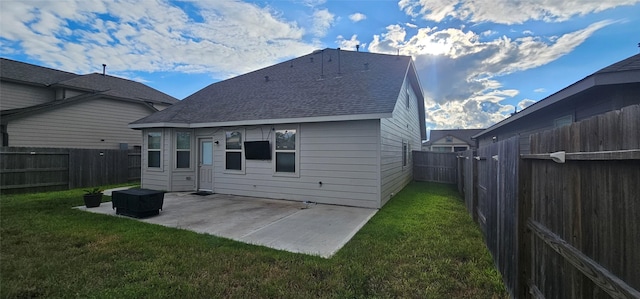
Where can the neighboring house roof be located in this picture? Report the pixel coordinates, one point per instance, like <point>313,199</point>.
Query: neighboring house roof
<point>622,72</point>
<point>116,87</point>
<point>97,86</point>
<point>462,134</point>
<point>325,85</point>
<point>31,74</point>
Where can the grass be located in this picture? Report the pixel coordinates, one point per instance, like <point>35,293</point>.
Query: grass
<point>422,244</point>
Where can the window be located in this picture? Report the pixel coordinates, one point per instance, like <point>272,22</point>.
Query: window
<point>285,151</point>
<point>5,135</point>
<point>405,150</point>
<point>408,100</point>
<point>154,148</point>
<point>233,150</point>
<point>183,149</point>
<point>563,121</point>
<point>448,139</point>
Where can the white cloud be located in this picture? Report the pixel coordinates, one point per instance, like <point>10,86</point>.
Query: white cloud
<point>349,44</point>
<point>459,71</point>
<point>539,90</point>
<point>322,21</point>
<point>506,11</point>
<point>527,32</point>
<point>411,25</point>
<point>525,103</point>
<point>313,3</point>
<point>357,17</point>
<point>489,33</point>
<point>231,38</point>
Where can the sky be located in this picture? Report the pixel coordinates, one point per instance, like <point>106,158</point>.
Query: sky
<point>478,60</point>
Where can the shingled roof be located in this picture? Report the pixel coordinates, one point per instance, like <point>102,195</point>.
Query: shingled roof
<point>116,87</point>
<point>105,85</point>
<point>31,74</point>
<point>328,84</point>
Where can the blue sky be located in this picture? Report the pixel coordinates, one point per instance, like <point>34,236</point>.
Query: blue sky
<point>477,60</point>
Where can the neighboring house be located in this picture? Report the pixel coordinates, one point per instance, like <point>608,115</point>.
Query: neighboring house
<point>331,127</point>
<point>43,107</point>
<point>450,140</point>
<point>610,88</point>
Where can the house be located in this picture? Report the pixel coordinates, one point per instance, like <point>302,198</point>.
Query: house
<point>450,140</point>
<point>610,88</point>
<point>43,107</point>
<point>332,127</point>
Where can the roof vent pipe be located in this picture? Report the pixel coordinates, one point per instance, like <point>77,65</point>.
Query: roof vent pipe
<point>266,78</point>
<point>104,69</point>
<point>339,72</point>
<point>357,48</point>
<point>322,66</point>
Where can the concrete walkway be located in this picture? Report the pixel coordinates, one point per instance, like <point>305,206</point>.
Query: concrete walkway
<point>286,225</point>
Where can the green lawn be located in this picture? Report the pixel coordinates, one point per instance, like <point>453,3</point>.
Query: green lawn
<point>422,244</point>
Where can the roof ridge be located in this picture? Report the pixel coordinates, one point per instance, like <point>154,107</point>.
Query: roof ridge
<point>39,66</point>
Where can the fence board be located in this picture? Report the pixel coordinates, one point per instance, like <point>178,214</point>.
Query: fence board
<point>435,167</point>
<point>49,169</point>
<point>588,208</point>
<point>585,210</point>
<point>497,204</point>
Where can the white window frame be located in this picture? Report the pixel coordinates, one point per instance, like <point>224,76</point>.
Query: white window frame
<point>160,150</point>
<point>241,151</point>
<point>296,151</point>
<point>176,150</point>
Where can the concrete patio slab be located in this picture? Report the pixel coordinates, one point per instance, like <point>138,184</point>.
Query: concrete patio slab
<point>285,225</point>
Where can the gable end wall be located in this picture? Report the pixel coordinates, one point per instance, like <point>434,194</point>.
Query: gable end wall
<point>404,125</point>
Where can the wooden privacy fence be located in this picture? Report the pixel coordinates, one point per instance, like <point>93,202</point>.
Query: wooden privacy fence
<point>562,230</point>
<point>25,170</point>
<point>435,167</point>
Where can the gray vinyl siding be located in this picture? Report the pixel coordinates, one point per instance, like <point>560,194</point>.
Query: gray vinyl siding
<point>404,125</point>
<point>81,125</point>
<point>341,155</point>
<point>15,95</point>
<point>344,156</point>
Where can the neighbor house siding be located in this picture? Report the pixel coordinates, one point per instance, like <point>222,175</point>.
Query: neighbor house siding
<point>98,124</point>
<point>403,126</point>
<point>341,155</point>
<point>15,95</point>
<point>580,107</point>
<point>449,145</point>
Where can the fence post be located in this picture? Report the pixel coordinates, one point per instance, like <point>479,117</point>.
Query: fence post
<point>524,254</point>
<point>474,196</point>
